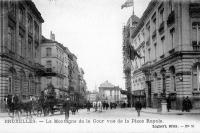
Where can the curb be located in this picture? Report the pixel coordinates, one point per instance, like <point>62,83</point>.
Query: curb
<point>171,113</point>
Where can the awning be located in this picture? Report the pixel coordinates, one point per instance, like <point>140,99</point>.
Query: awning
<point>124,92</point>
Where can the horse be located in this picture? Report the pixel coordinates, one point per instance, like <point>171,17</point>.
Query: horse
<point>9,104</point>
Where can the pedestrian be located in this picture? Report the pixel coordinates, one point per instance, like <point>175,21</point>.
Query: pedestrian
<point>88,106</point>
<point>168,103</point>
<point>66,107</point>
<point>184,104</point>
<point>188,104</point>
<point>138,107</point>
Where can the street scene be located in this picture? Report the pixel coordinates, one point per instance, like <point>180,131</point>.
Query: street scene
<point>102,66</point>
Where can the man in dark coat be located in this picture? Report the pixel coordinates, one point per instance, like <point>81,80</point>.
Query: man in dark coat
<point>168,103</point>
<point>66,107</point>
<point>184,104</point>
<point>188,104</point>
<point>88,105</point>
<point>138,107</point>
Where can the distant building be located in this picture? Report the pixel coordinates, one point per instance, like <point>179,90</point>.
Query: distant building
<point>92,96</point>
<point>20,37</point>
<point>110,93</point>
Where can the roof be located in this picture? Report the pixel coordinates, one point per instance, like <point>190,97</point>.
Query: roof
<point>148,10</point>
<point>32,6</point>
<point>106,84</point>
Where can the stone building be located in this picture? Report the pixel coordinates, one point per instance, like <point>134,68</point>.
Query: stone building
<point>55,59</point>
<point>127,32</point>
<point>110,93</point>
<point>74,78</point>
<point>20,37</point>
<point>167,37</point>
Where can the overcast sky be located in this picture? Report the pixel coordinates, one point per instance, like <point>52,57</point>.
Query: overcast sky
<point>92,30</point>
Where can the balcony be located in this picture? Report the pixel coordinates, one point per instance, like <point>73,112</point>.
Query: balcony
<point>194,9</point>
<point>196,47</point>
<point>172,51</point>
<point>171,18</point>
<point>161,28</point>
<point>13,56</point>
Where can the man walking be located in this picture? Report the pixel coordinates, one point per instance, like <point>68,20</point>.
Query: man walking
<point>66,107</point>
<point>138,107</point>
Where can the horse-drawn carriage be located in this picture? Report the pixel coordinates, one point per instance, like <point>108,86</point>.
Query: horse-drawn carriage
<point>45,104</point>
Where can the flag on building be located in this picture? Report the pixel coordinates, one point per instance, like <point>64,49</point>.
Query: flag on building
<point>128,3</point>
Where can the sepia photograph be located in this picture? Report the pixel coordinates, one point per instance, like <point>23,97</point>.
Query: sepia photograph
<point>100,66</point>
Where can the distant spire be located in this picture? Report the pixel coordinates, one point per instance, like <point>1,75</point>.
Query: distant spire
<point>52,36</point>
<point>133,8</point>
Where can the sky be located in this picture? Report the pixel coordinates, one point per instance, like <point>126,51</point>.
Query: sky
<point>92,30</point>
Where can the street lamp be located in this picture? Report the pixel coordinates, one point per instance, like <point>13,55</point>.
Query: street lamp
<point>163,102</point>
<point>180,76</point>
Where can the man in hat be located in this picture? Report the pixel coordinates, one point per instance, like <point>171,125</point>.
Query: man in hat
<point>66,107</point>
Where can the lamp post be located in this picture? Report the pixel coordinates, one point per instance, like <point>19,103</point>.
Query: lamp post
<point>163,102</point>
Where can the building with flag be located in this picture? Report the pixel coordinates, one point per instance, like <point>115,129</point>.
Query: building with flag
<point>167,36</point>
<point>128,54</point>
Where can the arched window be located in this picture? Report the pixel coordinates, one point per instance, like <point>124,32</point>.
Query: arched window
<point>173,78</point>
<point>196,77</point>
<point>31,88</point>
<point>22,79</point>
<point>155,81</point>
<point>11,79</point>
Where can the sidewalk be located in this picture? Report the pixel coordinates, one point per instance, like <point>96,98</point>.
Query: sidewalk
<point>171,112</point>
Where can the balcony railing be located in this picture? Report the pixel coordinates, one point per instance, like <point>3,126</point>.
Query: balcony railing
<point>14,56</point>
<point>194,9</point>
<point>196,47</point>
<point>171,18</point>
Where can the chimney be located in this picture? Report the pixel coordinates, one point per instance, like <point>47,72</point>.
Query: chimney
<point>52,36</point>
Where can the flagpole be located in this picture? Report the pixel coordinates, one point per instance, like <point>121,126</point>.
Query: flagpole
<point>133,7</point>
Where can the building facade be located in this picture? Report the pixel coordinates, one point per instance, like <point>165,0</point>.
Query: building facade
<point>20,36</point>
<point>55,59</point>
<point>109,93</point>
<point>167,37</point>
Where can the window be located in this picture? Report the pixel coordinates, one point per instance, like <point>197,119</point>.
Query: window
<point>30,24</point>
<point>11,38</point>
<point>36,33</point>
<point>48,64</point>
<point>19,47</point>
<point>196,78</point>
<point>196,32</point>
<point>49,80</point>
<point>162,44</point>
<point>48,51</point>
<point>149,53</point>
<point>154,21</point>
<point>155,47</point>
<point>30,49</point>
<point>161,17</point>
<point>171,5</point>
<point>21,16</point>
<point>10,85</point>
<point>172,37</point>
